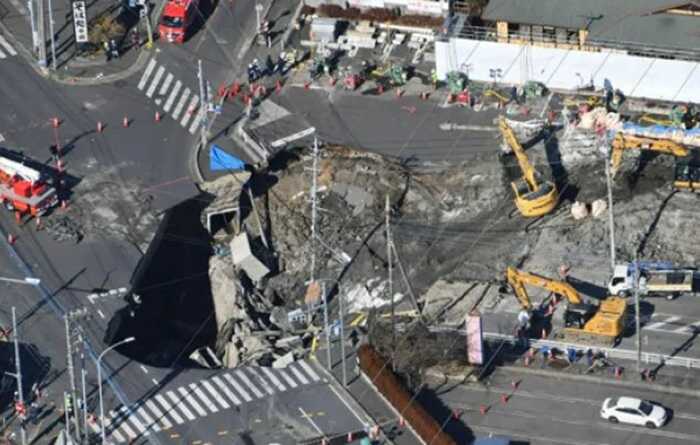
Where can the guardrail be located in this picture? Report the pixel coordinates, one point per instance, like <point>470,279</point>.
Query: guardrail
<point>623,354</point>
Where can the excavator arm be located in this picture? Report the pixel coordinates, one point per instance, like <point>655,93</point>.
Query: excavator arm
<point>518,279</point>
<point>525,166</point>
<point>623,142</point>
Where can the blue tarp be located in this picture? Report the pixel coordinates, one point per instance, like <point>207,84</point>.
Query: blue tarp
<point>220,160</point>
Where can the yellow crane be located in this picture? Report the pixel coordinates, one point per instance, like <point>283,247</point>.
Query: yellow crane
<point>584,323</point>
<point>623,142</point>
<point>533,195</point>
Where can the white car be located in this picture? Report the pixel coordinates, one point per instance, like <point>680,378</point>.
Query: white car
<point>634,411</point>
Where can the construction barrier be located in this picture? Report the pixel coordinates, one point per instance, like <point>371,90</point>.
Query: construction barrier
<point>376,368</point>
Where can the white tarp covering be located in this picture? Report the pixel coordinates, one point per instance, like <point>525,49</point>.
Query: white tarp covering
<point>661,79</point>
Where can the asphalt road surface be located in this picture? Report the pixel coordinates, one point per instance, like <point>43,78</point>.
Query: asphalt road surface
<point>544,410</point>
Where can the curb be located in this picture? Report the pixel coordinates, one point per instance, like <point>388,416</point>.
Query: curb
<point>84,81</point>
<point>668,389</point>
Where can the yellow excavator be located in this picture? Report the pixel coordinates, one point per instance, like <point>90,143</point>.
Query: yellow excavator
<point>687,174</point>
<point>533,195</point>
<point>624,142</point>
<point>584,323</point>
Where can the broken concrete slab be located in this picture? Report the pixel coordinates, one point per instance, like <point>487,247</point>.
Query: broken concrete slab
<point>244,258</point>
<point>284,361</point>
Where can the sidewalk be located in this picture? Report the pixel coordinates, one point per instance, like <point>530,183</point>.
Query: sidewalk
<point>73,68</point>
<point>668,379</point>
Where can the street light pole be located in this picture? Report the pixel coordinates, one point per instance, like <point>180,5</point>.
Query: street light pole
<point>99,385</point>
<point>325,323</point>
<point>53,39</point>
<point>18,374</point>
<point>341,309</point>
<point>42,33</point>
<point>32,22</point>
<point>637,320</point>
<point>147,16</point>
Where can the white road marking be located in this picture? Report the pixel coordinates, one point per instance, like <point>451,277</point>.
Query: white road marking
<point>2,55</point>
<point>247,381</point>
<point>100,314</point>
<point>274,378</point>
<point>181,405</point>
<point>220,400</point>
<point>290,381</point>
<point>169,409</point>
<point>181,103</point>
<point>292,137</point>
<point>309,370</point>
<point>238,387</point>
<point>154,82</point>
<point>195,123</point>
<point>7,46</point>
<point>116,434</point>
<point>144,369</point>
<point>134,420</point>
<point>220,383</point>
<point>162,418</point>
<point>266,386</point>
<point>146,73</point>
<point>171,97</point>
<point>298,375</point>
<point>687,329</point>
<point>150,423</point>
<point>197,407</point>
<point>155,382</point>
<point>121,424</point>
<point>191,109</point>
<point>203,397</point>
<point>168,80</point>
<point>2,138</point>
<point>658,324</point>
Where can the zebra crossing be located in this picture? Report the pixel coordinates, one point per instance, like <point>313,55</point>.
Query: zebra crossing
<point>670,323</point>
<point>199,399</point>
<point>6,50</point>
<point>172,95</point>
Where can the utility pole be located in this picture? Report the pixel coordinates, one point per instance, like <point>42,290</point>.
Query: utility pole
<point>389,259</point>
<point>203,106</point>
<point>32,23</point>
<point>341,310</point>
<point>314,209</point>
<point>53,39</point>
<point>325,322</point>
<point>611,220</point>
<point>18,376</point>
<point>83,377</point>
<point>637,321</point>
<point>146,15</point>
<point>42,33</point>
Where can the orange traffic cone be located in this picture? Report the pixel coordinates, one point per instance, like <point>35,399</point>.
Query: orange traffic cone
<point>11,239</point>
<point>125,122</point>
<point>55,122</point>
<point>399,92</point>
<point>514,384</point>
<point>380,88</point>
<point>307,85</point>
<point>99,127</point>
<point>544,333</point>
<point>483,409</point>
<point>64,204</point>
<point>402,422</point>
<point>278,87</point>
<point>349,437</point>
<point>38,223</point>
<point>157,116</point>
<point>504,399</point>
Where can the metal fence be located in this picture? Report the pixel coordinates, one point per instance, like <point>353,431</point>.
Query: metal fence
<point>570,40</point>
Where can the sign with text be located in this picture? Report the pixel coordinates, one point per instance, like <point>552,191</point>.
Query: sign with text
<point>475,341</point>
<point>80,22</point>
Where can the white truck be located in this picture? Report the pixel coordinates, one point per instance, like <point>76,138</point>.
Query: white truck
<point>655,278</point>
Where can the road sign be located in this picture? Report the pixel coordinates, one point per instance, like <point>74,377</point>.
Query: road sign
<point>80,22</point>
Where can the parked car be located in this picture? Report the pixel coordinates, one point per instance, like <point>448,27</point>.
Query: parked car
<point>634,411</point>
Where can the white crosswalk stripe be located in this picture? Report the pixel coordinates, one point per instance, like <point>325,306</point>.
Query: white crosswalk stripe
<point>190,111</point>
<point>160,417</point>
<point>217,397</point>
<point>298,374</point>
<point>290,381</point>
<point>203,398</point>
<point>191,400</point>
<point>181,103</point>
<point>248,383</point>
<point>146,74</point>
<point>655,326</point>
<point>176,400</point>
<point>121,423</point>
<point>273,378</point>
<point>8,48</point>
<point>169,409</point>
<point>117,435</point>
<point>171,98</point>
<point>266,386</point>
<point>134,420</point>
<point>220,383</point>
<point>150,423</point>
<point>113,430</point>
<point>195,123</point>
<point>164,87</point>
<point>238,387</point>
<point>309,371</point>
<point>689,329</point>
<point>154,83</point>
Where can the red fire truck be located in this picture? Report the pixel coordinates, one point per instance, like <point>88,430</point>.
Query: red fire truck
<point>178,16</point>
<point>23,189</point>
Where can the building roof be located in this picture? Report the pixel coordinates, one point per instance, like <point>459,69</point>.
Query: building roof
<point>634,21</point>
